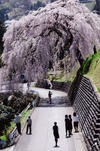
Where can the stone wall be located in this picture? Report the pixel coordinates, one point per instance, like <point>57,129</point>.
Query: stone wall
<point>86,102</point>
<point>45,83</point>
<point>64,86</point>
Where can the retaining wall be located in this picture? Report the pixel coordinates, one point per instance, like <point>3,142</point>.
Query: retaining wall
<point>64,86</point>
<point>86,101</point>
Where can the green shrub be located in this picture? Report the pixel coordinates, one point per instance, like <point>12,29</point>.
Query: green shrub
<point>98,89</point>
<point>34,96</point>
<point>6,115</point>
<point>85,66</point>
<point>19,101</point>
<point>90,63</point>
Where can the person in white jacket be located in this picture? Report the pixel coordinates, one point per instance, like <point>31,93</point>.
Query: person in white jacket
<point>75,121</point>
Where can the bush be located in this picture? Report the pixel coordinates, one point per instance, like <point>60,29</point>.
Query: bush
<point>6,115</point>
<point>85,66</point>
<point>15,104</point>
<point>90,63</point>
<point>19,101</point>
<point>98,90</point>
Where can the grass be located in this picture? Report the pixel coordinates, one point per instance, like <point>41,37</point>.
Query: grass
<point>3,137</point>
<point>25,116</point>
<point>90,5</point>
<point>94,69</point>
<point>64,76</point>
<point>59,79</point>
<point>91,68</point>
<point>85,66</point>
<point>98,90</point>
<point>72,74</point>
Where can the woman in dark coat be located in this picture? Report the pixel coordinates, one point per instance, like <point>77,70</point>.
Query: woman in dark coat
<point>70,124</point>
<point>55,133</point>
<point>67,125</point>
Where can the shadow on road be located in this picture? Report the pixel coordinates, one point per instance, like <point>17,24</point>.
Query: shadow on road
<point>56,102</point>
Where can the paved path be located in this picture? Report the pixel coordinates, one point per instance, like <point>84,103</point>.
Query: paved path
<point>43,118</point>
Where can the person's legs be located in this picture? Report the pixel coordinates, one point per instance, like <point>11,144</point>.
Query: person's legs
<point>56,140</point>
<point>27,130</point>
<point>69,132</point>
<point>18,127</point>
<point>30,129</point>
<point>66,132</point>
<point>77,126</point>
<point>74,125</point>
<point>50,100</point>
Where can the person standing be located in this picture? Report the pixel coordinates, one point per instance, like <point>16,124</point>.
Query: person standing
<point>28,85</point>
<point>18,123</point>
<point>29,125</point>
<point>75,121</point>
<point>55,133</point>
<point>70,124</point>
<point>49,95</point>
<point>94,49</point>
<point>67,126</point>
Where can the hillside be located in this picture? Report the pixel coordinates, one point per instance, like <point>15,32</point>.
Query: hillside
<point>91,68</point>
<point>14,9</point>
<point>90,5</point>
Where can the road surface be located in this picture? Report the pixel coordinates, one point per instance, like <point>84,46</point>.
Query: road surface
<point>43,118</point>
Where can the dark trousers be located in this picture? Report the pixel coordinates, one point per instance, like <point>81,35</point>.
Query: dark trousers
<point>18,125</point>
<point>56,140</point>
<point>28,129</point>
<point>50,100</point>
